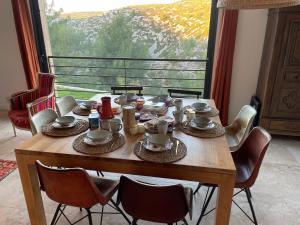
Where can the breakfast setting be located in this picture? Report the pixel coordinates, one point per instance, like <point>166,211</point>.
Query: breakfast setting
<point>104,126</point>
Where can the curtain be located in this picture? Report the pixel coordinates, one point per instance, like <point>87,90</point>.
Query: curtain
<point>26,41</point>
<point>223,70</point>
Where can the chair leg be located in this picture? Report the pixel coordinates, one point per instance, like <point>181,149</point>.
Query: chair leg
<point>89,216</point>
<point>134,222</point>
<point>197,189</point>
<point>205,205</point>
<point>184,221</point>
<point>248,194</point>
<point>98,173</point>
<point>121,211</point>
<point>53,222</point>
<point>14,128</point>
<point>101,218</point>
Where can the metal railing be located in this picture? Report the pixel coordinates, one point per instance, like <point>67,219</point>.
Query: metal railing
<point>84,76</point>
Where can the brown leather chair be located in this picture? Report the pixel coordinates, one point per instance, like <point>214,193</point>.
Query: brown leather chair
<point>247,160</point>
<point>237,132</point>
<point>74,187</point>
<point>160,204</point>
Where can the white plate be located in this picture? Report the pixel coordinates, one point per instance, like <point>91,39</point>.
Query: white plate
<point>208,127</point>
<point>88,141</point>
<point>59,126</point>
<point>156,148</point>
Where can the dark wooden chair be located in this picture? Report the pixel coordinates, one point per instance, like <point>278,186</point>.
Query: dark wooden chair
<point>159,204</point>
<point>248,160</point>
<point>179,93</point>
<point>74,187</point>
<point>119,90</point>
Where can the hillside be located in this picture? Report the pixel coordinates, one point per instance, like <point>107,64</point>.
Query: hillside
<point>185,18</point>
<point>80,15</point>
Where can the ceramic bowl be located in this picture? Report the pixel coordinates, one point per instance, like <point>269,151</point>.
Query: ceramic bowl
<point>99,135</point>
<point>131,97</point>
<point>159,139</point>
<point>88,104</point>
<point>65,120</point>
<point>199,106</point>
<point>202,121</point>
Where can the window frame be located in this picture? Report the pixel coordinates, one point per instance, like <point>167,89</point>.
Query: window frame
<point>42,54</point>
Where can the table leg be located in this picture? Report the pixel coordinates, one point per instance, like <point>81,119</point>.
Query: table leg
<point>31,189</point>
<point>224,200</point>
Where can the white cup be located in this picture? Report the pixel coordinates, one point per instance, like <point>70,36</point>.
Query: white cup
<point>162,127</point>
<point>190,115</point>
<point>105,124</point>
<point>123,99</point>
<point>115,125</point>
<point>178,104</point>
<point>178,115</point>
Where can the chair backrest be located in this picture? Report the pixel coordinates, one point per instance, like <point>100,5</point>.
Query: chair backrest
<point>42,118</point>
<point>46,84</point>
<point>72,187</point>
<point>160,204</point>
<point>252,152</point>
<point>65,105</point>
<point>179,93</point>
<point>256,104</point>
<point>119,90</point>
<point>242,123</point>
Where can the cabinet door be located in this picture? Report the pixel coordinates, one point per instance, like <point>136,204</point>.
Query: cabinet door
<point>286,92</point>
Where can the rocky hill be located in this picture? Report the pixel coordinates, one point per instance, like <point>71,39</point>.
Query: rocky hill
<point>163,26</point>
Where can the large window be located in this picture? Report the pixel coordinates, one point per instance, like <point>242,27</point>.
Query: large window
<point>159,44</point>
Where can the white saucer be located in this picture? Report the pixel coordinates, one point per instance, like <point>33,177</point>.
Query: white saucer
<point>88,141</point>
<point>59,126</point>
<point>157,148</point>
<point>210,126</point>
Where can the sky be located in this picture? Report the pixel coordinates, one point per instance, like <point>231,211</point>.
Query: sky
<point>100,5</point>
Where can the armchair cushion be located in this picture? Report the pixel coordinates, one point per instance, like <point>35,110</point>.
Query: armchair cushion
<point>20,118</point>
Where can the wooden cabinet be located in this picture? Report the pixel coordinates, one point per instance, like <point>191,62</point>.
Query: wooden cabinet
<point>279,80</point>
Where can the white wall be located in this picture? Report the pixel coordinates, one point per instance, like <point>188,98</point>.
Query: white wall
<point>12,76</point>
<point>247,56</point>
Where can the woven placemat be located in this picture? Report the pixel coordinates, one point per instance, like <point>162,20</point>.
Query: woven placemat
<point>213,112</point>
<point>80,126</point>
<point>117,141</point>
<point>218,131</point>
<point>161,157</point>
<point>80,111</point>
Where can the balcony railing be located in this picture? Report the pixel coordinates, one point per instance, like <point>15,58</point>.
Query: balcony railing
<point>85,76</point>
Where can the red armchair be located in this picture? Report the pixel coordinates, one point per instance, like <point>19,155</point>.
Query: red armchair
<point>25,104</point>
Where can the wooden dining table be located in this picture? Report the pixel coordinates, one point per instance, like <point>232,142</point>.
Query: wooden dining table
<point>208,160</point>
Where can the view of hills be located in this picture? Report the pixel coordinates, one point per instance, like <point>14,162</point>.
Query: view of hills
<point>165,31</point>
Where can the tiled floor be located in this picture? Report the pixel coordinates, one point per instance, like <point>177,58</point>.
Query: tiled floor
<point>276,194</point>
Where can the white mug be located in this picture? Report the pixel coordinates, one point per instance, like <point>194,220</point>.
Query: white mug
<point>123,99</point>
<point>105,124</point>
<point>178,104</point>
<point>115,125</point>
<point>178,115</point>
<point>162,127</point>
